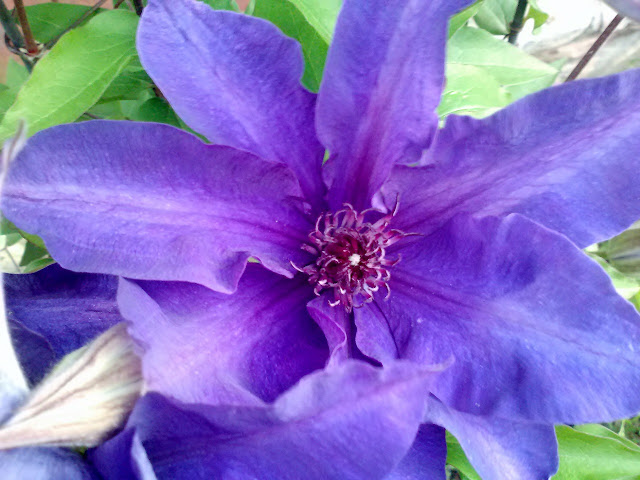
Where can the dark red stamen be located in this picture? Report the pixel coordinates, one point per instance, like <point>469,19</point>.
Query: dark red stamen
<point>351,256</point>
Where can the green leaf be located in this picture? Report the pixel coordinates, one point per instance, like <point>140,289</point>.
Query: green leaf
<point>471,91</point>
<point>75,74</point>
<point>624,285</point>
<point>129,85</point>
<point>623,251</point>
<point>517,72</point>
<point>457,458</point>
<point>32,253</point>
<point>155,110</point>
<point>285,15</point>
<point>17,74</point>
<point>539,16</point>
<point>495,16</point>
<point>48,20</point>
<point>460,19</point>
<point>321,15</point>
<point>110,110</point>
<point>595,453</point>
<point>38,264</point>
<point>223,5</point>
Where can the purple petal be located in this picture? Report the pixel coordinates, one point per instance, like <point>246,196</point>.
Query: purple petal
<point>564,157</point>
<point>44,464</point>
<point>536,328</point>
<point>208,347</point>
<point>630,8</point>
<point>337,327</point>
<point>500,449</point>
<point>382,83</point>
<point>427,457</point>
<point>235,79</point>
<point>123,458</point>
<point>67,309</point>
<point>354,422</point>
<point>150,201</point>
<point>34,352</point>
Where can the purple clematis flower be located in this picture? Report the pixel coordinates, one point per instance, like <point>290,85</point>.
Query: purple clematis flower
<point>409,247</point>
<point>630,8</point>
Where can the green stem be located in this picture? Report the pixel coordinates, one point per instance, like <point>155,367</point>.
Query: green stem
<point>518,19</point>
<point>137,4</point>
<point>10,27</point>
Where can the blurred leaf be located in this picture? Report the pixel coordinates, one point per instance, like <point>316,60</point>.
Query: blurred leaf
<point>17,74</point>
<point>286,16</point>
<point>517,72</point>
<point>223,5</point>
<point>75,74</point>
<point>471,91</point>
<point>592,452</point>
<point>128,85</point>
<point>48,20</point>
<point>460,19</point>
<point>110,110</point>
<point>155,110</point>
<point>321,15</point>
<point>495,16</point>
<point>539,16</point>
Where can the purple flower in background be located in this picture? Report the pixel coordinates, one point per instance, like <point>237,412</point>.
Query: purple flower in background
<point>409,247</point>
<point>630,8</point>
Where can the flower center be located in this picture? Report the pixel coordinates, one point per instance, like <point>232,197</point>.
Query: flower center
<point>350,256</point>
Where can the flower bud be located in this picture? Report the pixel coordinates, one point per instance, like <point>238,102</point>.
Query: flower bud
<point>87,396</point>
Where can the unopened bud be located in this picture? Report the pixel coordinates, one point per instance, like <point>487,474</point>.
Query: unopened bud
<point>87,396</point>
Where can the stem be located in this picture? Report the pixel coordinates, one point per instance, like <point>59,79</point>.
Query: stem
<point>518,18</point>
<point>595,47</point>
<point>10,26</point>
<point>137,4</point>
<point>30,42</point>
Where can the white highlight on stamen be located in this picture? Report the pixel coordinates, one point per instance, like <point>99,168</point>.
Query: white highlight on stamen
<point>354,259</point>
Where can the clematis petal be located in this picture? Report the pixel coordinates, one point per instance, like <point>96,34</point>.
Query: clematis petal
<point>560,157</point>
<point>235,79</point>
<point>427,457</point>
<point>354,422</point>
<point>630,8</point>
<point>123,458</point>
<point>382,83</point>
<point>337,327</point>
<point>536,328</point>
<point>245,347</point>
<point>67,309</point>
<point>500,449</point>
<point>44,464</point>
<point>150,201</point>
<point>33,351</point>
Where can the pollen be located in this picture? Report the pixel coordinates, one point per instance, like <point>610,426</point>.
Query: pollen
<point>350,255</point>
